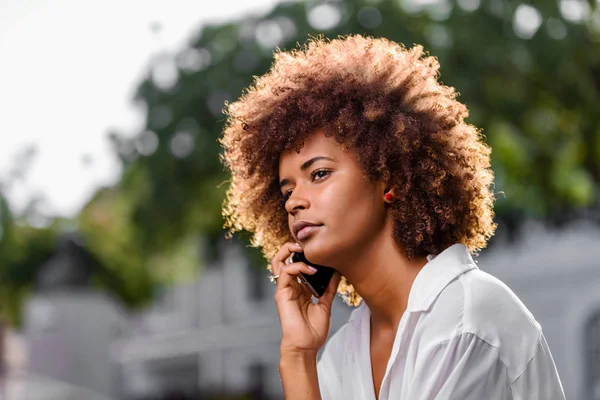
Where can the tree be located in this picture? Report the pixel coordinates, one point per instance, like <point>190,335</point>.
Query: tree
<point>22,250</point>
<point>529,74</point>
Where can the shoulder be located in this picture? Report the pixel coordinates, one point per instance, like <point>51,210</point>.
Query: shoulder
<point>493,312</point>
<point>480,306</point>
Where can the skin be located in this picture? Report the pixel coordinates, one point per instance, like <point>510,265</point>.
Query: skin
<point>356,239</point>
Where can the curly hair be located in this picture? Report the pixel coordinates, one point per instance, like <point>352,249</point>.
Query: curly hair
<point>384,102</point>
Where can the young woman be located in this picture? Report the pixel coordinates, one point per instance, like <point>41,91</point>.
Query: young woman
<point>352,152</point>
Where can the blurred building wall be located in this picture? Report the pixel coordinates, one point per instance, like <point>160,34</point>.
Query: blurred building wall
<point>234,336</point>
<point>68,335</point>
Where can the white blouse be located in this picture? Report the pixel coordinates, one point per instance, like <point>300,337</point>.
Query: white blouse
<point>465,335</point>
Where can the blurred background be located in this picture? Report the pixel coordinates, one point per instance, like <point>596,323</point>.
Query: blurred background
<point>116,281</point>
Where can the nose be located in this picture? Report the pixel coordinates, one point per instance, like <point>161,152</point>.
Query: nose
<point>296,201</point>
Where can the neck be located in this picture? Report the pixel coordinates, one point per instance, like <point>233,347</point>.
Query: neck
<point>383,276</point>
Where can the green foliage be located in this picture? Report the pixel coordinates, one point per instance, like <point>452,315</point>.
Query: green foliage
<point>22,250</point>
<point>535,98</point>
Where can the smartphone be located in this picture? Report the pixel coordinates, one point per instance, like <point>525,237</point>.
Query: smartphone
<point>317,282</point>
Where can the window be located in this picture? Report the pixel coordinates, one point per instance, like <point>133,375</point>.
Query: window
<point>257,374</point>
<point>592,355</point>
<point>256,282</point>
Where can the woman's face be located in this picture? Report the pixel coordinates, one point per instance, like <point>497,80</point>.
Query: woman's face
<point>325,185</point>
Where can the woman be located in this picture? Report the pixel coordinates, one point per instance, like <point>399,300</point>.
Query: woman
<point>357,139</point>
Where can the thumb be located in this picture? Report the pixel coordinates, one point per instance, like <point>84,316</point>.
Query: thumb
<point>327,297</point>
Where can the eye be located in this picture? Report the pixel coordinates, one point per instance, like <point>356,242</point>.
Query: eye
<point>321,173</point>
<point>317,172</point>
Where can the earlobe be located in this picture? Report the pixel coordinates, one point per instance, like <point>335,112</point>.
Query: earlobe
<point>389,194</point>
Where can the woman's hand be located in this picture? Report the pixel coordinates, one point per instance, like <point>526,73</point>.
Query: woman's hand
<point>304,324</point>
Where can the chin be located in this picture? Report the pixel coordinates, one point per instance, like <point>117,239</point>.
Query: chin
<point>319,253</point>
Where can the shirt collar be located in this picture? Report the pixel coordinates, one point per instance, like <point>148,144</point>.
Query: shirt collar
<point>437,274</point>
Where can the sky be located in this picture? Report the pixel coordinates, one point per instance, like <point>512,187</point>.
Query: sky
<point>67,76</point>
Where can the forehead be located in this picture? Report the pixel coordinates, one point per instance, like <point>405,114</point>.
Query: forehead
<point>316,144</point>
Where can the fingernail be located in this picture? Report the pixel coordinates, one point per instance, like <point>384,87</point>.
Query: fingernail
<point>298,245</point>
<point>313,269</point>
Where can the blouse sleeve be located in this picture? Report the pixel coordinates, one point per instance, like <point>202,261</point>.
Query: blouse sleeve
<point>540,379</point>
<point>467,367</point>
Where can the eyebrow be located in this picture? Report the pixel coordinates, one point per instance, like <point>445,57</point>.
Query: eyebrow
<point>306,165</point>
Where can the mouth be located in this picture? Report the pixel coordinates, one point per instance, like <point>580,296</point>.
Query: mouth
<point>307,231</point>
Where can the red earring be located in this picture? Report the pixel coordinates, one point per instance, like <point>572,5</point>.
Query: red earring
<point>388,196</point>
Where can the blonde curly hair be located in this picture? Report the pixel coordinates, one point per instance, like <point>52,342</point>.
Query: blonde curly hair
<point>383,101</point>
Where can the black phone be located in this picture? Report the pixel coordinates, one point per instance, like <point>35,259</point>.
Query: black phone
<point>318,282</point>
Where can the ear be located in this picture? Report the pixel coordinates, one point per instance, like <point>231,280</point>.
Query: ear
<point>390,189</point>
<point>389,195</point>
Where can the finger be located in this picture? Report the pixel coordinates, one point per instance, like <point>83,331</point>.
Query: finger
<point>289,272</point>
<point>284,252</point>
<point>327,297</point>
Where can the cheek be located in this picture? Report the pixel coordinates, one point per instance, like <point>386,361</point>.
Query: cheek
<point>352,214</point>
<point>349,226</point>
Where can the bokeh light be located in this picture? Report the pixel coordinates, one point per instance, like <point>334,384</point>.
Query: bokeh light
<point>324,16</point>
<point>146,143</point>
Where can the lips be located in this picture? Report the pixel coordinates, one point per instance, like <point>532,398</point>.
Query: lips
<point>307,231</point>
<point>300,225</point>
